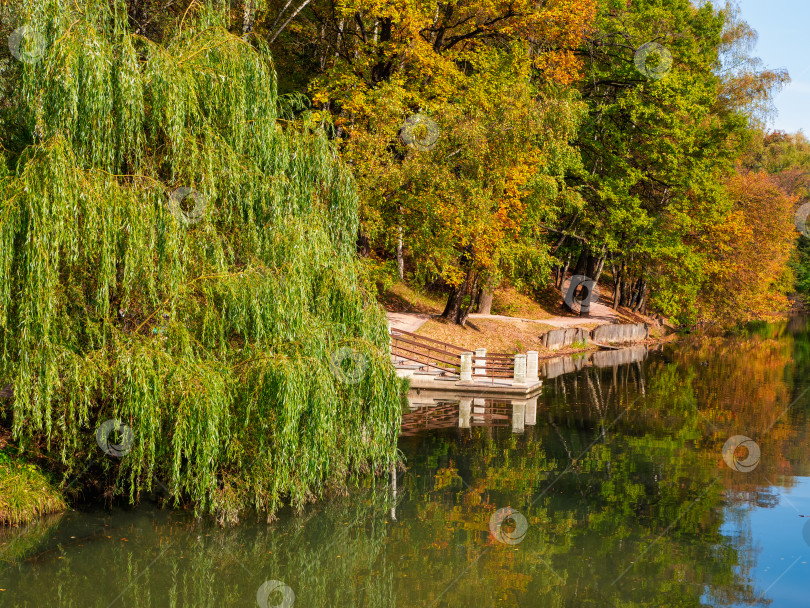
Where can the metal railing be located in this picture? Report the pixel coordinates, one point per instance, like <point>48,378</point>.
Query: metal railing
<point>446,357</point>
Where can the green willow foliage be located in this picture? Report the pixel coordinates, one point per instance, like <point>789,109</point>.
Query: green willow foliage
<point>212,340</point>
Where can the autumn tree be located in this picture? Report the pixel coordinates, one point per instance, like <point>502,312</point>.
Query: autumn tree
<point>786,159</point>
<point>659,139</point>
<point>749,274</point>
<point>487,83</point>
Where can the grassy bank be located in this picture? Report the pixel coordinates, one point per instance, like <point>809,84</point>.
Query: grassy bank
<point>26,493</point>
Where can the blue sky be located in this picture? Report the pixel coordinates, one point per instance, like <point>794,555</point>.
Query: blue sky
<point>784,42</point>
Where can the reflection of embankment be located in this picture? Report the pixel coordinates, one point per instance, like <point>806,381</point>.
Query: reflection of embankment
<point>17,542</point>
<point>470,407</point>
<point>551,368</point>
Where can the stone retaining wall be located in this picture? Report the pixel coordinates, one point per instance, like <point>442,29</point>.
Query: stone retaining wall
<point>619,332</point>
<point>558,338</point>
<point>604,334</point>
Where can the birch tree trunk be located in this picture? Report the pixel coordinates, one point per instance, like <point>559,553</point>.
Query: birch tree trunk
<point>247,19</point>
<point>400,257</point>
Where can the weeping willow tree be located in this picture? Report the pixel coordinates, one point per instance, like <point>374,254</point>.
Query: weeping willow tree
<point>212,324</point>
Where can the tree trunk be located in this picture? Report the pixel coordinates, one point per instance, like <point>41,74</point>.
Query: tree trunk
<point>453,304</point>
<point>618,277</point>
<point>642,287</point>
<point>485,300</point>
<point>562,237</point>
<point>363,244</point>
<point>590,266</point>
<point>582,261</point>
<point>585,306</point>
<point>247,19</point>
<point>400,257</point>
<point>564,272</point>
<point>465,311</point>
<point>631,301</point>
<point>599,266</point>
<point>273,37</point>
<point>615,272</point>
<point>453,309</point>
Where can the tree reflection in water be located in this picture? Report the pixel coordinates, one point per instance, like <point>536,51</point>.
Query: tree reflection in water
<point>617,470</point>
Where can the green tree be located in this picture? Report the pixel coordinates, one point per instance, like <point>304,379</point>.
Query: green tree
<point>492,79</point>
<point>213,325</point>
<point>656,146</point>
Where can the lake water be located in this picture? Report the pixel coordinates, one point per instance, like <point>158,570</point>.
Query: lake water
<point>611,489</point>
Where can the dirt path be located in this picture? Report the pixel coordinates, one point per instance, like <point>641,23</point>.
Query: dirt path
<point>406,321</point>
<point>600,315</point>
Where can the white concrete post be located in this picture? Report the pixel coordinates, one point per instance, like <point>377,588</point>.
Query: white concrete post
<point>531,411</point>
<point>464,407</point>
<point>466,367</point>
<point>480,361</point>
<point>532,366</point>
<point>520,370</point>
<point>518,416</point>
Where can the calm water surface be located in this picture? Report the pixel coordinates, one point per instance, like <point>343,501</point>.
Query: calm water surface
<point>615,479</point>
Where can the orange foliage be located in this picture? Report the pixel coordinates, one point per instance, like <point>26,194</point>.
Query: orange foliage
<point>754,245</point>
